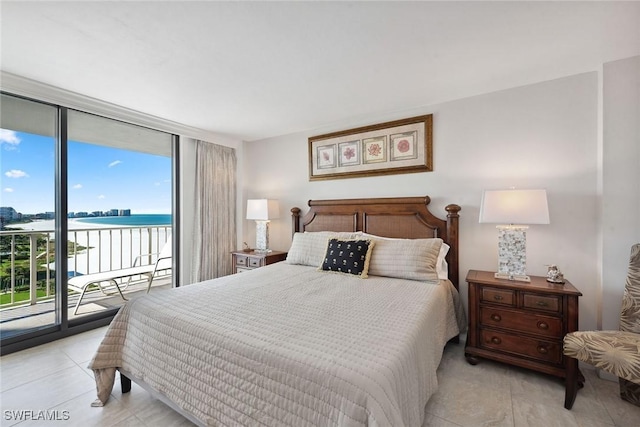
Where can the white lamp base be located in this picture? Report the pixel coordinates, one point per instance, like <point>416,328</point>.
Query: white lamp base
<point>262,236</point>
<point>512,253</point>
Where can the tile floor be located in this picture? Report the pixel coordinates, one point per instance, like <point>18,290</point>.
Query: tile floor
<point>54,377</point>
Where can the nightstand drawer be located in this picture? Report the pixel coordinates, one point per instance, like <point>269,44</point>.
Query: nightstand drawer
<point>541,302</point>
<point>498,296</point>
<point>537,349</point>
<point>244,260</point>
<point>521,321</point>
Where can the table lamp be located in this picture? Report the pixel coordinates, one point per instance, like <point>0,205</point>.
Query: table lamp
<point>262,211</point>
<point>514,210</point>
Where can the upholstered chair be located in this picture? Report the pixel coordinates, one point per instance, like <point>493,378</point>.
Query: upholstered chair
<point>616,352</point>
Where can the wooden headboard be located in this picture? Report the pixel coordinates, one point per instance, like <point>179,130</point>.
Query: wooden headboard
<point>399,217</point>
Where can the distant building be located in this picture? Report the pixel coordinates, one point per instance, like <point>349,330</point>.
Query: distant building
<point>125,212</point>
<point>9,214</point>
<point>71,215</point>
<point>81,214</point>
<point>113,212</point>
<point>96,213</point>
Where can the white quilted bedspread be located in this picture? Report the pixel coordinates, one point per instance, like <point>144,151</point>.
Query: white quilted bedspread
<point>286,345</point>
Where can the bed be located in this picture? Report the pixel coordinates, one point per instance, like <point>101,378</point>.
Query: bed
<point>292,344</point>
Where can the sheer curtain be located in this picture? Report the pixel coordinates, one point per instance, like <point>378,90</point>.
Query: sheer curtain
<point>215,211</point>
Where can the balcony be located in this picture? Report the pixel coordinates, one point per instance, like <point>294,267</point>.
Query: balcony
<point>27,274</point>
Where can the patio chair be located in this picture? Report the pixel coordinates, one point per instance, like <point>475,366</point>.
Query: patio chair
<point>107,281</point>
<point>616,352</point>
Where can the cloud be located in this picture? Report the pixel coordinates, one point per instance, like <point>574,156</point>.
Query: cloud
<point>8,190</point>
<point>77,186</point>
<point>16,173</point>
<point>114,163</point>
<point>102,196</point>
<point>10,138</point>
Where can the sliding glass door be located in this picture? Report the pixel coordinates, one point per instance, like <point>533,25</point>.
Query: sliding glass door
<point>119,208</point>
<point>28,132</point>
<point>82,196</point>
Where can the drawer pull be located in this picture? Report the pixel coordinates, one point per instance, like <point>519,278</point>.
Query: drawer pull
<point>542,304</point>
<point>498,297</point>
<point>543,325</point>
<point>496,317</point>
<point>497,340</point>
<point>543,349</point>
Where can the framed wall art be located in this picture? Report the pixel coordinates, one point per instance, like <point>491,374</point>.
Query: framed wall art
<point>400,146</point>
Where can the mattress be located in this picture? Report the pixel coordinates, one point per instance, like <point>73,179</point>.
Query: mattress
<point>286,345</point>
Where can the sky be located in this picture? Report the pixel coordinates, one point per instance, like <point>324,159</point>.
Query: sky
<point>100,178</point>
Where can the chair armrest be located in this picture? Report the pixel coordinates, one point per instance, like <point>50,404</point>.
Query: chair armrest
<point>135,261</point>
<point>162,258</point>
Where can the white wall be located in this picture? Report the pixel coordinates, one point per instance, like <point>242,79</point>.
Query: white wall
<point>537,136</point>
<point>620,180</point>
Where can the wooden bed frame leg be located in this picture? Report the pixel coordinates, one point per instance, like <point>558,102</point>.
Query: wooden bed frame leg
<point>125,384</point>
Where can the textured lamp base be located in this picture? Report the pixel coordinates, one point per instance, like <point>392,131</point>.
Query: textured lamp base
<point>512,253</point>
<point>262,236</point>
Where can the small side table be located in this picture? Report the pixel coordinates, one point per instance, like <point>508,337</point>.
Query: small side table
<point>245,261</point>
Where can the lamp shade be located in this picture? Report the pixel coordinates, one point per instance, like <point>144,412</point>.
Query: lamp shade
<point>514,207</point>
<point>262,209</point>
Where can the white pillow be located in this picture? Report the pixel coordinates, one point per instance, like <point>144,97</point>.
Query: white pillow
<point>309,248</point>
<point>413,259</point>
<point>442,267</point>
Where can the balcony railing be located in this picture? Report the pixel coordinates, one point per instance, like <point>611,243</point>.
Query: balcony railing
<point>28,262</point>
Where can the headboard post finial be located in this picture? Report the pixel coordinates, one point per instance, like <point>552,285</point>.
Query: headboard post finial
<point>453,210</point>
<point>295,217</point>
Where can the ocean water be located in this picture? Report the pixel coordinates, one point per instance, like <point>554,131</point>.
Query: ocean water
<point>133,220</point>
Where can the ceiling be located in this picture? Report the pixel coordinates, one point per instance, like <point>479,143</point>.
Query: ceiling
<point>252,70</point>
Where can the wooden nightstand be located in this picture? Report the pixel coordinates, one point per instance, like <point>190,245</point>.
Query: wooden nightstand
<point>243,261</point>
<point>521,323</point>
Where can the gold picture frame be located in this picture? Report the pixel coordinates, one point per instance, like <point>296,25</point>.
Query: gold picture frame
<point>399,146</point>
